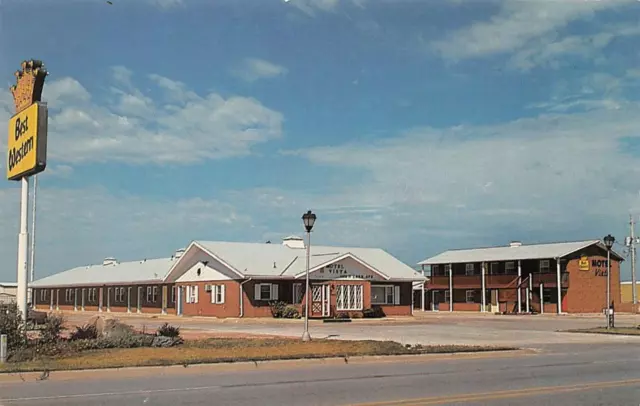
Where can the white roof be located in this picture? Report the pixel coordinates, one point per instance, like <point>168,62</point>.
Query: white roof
<point>277,260</point>
<point>9,284</point>
<point>511,253</point>
<point>148,270</point>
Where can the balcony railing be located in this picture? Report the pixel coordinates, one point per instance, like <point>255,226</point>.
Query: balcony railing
<point>496,281</point>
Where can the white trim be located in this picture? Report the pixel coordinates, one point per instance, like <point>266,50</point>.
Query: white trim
<point>395,294</point>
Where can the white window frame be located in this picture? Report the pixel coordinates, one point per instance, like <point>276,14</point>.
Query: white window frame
<point>473,299</point>
<point>273,292</point>
<point>68,295</point>
<point>347,298</point>
<point>93,293</point>
<point>447,295</point>
<point>149,294</point>
<point>43,295</point>
<point>547,267</point>
<point>154,294</point>
<point>447,269</point>
<point>217,294</point>
<point>192,294</point>
<point>509,267</point>
<point>470,269</point>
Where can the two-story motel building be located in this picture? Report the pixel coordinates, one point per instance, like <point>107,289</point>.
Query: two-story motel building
<point>565,277</point>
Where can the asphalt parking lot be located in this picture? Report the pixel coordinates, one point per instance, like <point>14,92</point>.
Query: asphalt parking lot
<point>530,331</point>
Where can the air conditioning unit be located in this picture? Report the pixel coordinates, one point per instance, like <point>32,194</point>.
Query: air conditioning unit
<point>207,288</point>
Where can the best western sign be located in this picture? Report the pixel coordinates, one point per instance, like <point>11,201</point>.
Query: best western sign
<point>27,143</point>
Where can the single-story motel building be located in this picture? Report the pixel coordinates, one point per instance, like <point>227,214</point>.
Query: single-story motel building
<point>233,279</point>
<point>565,277</point>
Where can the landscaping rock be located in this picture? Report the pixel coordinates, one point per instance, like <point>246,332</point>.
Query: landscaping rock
<point>165,342</point>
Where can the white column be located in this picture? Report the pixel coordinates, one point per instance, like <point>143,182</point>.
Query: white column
<point>100,299</point>
<point>529,290</point>
<point>559,285</point>
<point>484,287</point>
<point>75,300</point>
<point>541,298</point>
<point>450,287</point>
<point>129,299</point>
<point>423,293</point>
<point>57,299</point>
<point>82,299</point>
<point>23,251</point>
<point>519,287</point>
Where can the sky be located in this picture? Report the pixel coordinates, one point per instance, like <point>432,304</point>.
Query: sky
<point>411,125</point>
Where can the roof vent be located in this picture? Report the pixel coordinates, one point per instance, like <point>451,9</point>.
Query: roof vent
<point>293,241</point>
<point>178,253</point>
<point>515,244</point>
<point>109,261</point>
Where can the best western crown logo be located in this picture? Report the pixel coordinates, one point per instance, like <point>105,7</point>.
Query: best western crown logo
<point>27,142</point>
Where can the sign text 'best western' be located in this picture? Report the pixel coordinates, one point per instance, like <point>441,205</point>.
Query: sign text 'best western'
<point>27,142</point>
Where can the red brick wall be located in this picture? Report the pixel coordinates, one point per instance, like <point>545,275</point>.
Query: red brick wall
<point>204,307</point>
<point>587,292</point>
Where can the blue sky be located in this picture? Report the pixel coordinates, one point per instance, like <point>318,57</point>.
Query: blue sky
<point>415,126</point>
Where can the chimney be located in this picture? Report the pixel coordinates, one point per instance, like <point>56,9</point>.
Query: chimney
<point>515,244</point>
<point>293,241</point>
<point>109,261</point>
<point>178,253</point>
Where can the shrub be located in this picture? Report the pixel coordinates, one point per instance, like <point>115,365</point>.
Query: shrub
<point>277,308</point>
<point>373,313</point>
<point>342,315</point>
<point>290,312</point>
<point>11,324</point>
<point>50,332</point>
<point>86,332</point>
<point>167,330</point>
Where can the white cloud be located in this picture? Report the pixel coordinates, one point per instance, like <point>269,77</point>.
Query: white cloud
<point>80,226</point>
<point>517,24</point>
<point>253,69</point>
<point>310,7</point>
<point>183,128</point>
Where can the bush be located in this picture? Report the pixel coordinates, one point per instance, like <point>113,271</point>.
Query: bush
<point>167,330</point>
<point>342,315</point>
<point>373,313</point>
<point>52,328</point>
<point>11,324</point>
<point>281,310</point>
<point>290,312</point>
<point>86,332</point>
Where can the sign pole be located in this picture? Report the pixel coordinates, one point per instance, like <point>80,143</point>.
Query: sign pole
<point>23,249</point>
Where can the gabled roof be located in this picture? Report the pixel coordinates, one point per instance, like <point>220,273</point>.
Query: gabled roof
<point>120,273</point>
<point>280,261</point>
<point>513,253</point>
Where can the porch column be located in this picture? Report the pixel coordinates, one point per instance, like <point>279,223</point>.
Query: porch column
<point>100,298</point>
<point>57,299</point>
<point>423,293</point>
<point>75,300</point>
<point>108,299</point>
<point>82,299</point>
<point>559,286</point>
<point>129,299</point>
<point>179,300</point>
<point>484,288</point>
<point>519,287</point>
<point>164,299</point>
<point>450,287</point>
<point>541,298</point>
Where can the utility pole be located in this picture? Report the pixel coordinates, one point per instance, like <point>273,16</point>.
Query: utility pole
<point>631,243</point>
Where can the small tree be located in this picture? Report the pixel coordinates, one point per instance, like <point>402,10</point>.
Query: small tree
<point>11,324</point>
<point>52,329</point>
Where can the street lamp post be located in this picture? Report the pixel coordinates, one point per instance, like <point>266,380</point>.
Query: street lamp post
<point>608,242</point>
<point>308,219</point>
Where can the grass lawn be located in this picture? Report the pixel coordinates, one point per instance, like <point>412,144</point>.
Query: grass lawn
<point>627,331</point>
<point>219,350</point>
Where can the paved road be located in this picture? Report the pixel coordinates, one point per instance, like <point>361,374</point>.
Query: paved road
<point>575,374</point>
<point>427,328</point>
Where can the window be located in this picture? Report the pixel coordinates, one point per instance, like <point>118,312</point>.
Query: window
<point>385,295</point>
<point>149,294</point>
<point>154,295</point>
<point>349,297</point>
<point>495,268</point>
<point>435,269</point>
<point>93,294</point>
<point>266,291</point>
<point>470,269</point>
<point>68,295</point>
<point>43,295</point>
<point>447,269</point>
<point>119,295</point>
<point>509,267</point>
<point>549,295</point>
<point>173,294</point>
<point>192,294</point>
<point>544,266</point>
<point>447,296</point>
<point>298,293</point>
<point>471,296</point>
<point>217,294</point>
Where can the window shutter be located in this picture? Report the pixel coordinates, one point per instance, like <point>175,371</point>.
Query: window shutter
<point>195,288</point>
<point>221,293</point>
<point>396,295</point>
<point>214,289</point>
<point>274,292</point>
<point>256,290</point>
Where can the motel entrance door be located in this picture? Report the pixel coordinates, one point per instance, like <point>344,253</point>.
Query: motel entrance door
<point>320,300</point>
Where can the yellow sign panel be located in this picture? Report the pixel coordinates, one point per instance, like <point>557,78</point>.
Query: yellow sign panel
<point>583,263</point>
<point>27,143</point>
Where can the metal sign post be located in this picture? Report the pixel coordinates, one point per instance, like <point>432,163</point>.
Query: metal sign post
<point>3,348</point>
